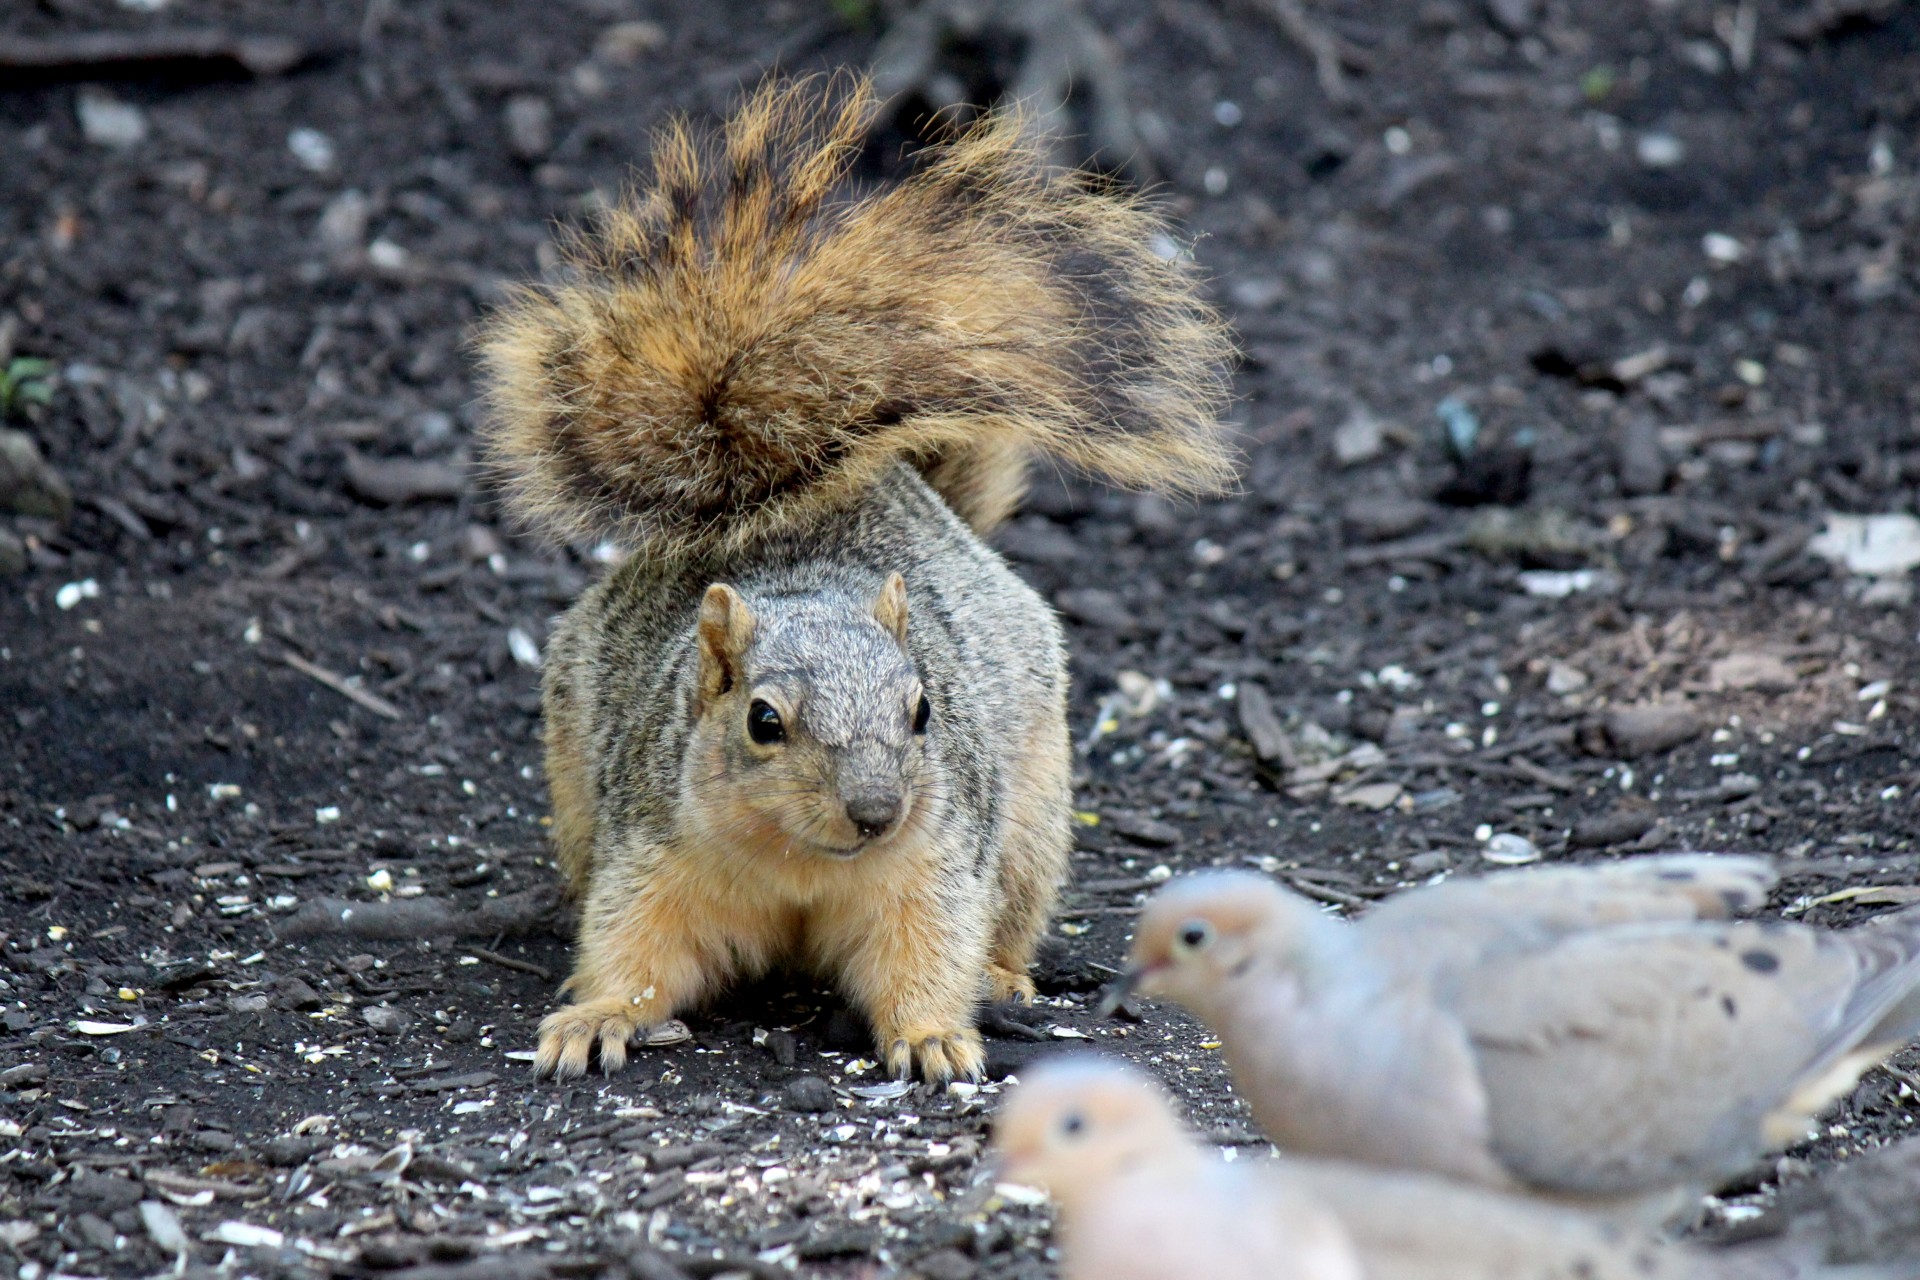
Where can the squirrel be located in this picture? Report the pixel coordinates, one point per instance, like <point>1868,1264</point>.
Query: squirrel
<point>813,719</point>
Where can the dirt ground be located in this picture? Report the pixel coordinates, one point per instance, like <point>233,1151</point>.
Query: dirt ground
<point>1563,336</point>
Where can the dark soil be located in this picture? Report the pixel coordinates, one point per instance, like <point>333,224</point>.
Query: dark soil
<point>1655,268</point>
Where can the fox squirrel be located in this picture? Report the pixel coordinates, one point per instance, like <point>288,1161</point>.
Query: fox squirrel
<point>800,408</point>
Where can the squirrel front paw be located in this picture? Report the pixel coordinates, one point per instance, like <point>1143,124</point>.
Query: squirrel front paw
<point>567,1036</point>
<point>935,1055</point>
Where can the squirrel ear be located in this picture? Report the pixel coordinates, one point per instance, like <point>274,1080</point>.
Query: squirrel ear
<point>891,606</point>
<point>726,629</point>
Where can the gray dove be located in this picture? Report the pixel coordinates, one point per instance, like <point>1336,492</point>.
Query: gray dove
<point>1587,1034</point>
<point>1140,1199</point>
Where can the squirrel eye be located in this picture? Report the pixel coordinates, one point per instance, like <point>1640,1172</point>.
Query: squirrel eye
<point>763,724</point>
<point>1193,935</point>
<point>922,714</point>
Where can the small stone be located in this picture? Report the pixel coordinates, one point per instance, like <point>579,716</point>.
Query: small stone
<point>1515,17</point>
<point>1373,795</point>
<point>386,1019</point>
<point>287,1150</point>
<point>1361,438</point>
<point>477,542</point>
<point>1644,728</point>
<point>293,993</point>
<point>1059,969</point>
<point>1639,461</point>
<point>1871,545</point>
<point>28,486</point>
<point>384,255</point>
<point>1098,607</point>
<point>524,649</point>
<point>312,150</point>
<point>1765,672</point>
<point>1659,150</point>
<point>1257,293</point>
<point>95,1231</point>
<point>1144,830</point>
<point>782,1045</point>
<point>1722,248</point>
<point>1506,849</point>
<point>254,1003</point>
<point>1616,826</point>
<point>23,1075</point>
<point>397,481</point>
<point>105,1191</point>
<point>669,1033</point>
<point>1380,518</point>
<point>529,123</point>
<point>163,1225</point>
<point>1261,724</point>
<point>1564,678</point>
<point>106,121</point>
<point>343,223</point>
<point>945,1264</point>
<point>629,41</point>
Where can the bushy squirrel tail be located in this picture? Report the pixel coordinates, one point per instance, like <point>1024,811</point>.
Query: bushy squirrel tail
<point>744,346</point>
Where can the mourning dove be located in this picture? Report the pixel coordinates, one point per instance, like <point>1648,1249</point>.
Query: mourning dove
<point>1139,1199</point>
<point>1578,1034</point>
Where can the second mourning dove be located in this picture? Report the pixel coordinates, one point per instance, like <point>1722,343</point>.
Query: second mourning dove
<point>1577,1033</point>
<point>1139,1199</point>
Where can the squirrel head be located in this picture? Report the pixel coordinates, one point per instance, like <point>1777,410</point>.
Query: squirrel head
<point>810,720</point>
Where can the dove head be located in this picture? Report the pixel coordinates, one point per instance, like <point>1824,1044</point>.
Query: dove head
<point>1202,935</point>
<point>1076,1124</point>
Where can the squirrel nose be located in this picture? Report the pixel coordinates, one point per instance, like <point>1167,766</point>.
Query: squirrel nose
<point>873,812</point>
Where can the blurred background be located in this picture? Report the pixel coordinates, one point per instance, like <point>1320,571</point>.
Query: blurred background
<point>1581,430</point>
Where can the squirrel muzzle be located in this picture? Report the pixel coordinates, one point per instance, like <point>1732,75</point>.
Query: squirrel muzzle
<point>873,792</point>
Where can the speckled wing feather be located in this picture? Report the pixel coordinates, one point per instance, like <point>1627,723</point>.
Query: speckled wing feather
<point>1638,1057</point>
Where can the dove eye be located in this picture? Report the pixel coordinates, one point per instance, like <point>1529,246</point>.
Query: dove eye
<point>1072,1124</point>
<point>1193,935</point>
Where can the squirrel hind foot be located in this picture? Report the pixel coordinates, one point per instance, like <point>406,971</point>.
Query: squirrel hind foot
<point>1007,984</point>
<point>568,1037</point>
<point>939,1058</point>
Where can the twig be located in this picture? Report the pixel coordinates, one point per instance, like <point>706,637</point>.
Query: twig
<point>508,962</point>
<point>1430,546</point>
<point>342,686</point>
<point>1328,894</point>
<point>90,52</point>
<point>1518,770</point>
<point>1332,56</point>
<point>406,918</point>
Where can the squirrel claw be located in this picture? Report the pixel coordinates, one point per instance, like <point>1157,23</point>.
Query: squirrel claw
<point>568,1036</point>
<point>939,1058</point>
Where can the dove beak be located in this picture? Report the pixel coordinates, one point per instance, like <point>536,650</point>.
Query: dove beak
<point>1120,988</point>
